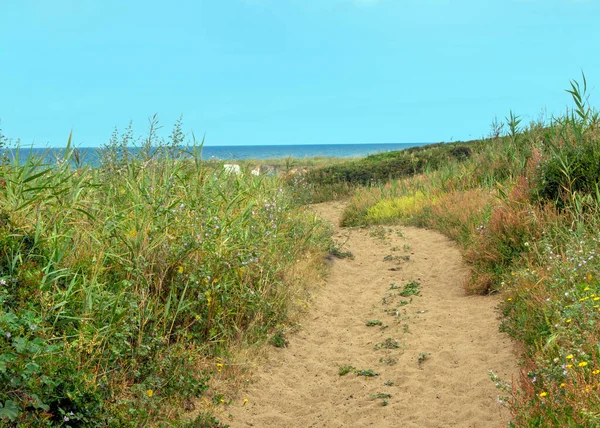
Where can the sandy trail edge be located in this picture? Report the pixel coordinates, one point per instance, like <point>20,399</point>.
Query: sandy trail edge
<point>301,387</point>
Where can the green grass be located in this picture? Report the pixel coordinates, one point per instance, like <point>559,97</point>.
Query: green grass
<point>344,370</point>
<point>366,373</point>
<point>118,284</point>
<point>413,288</point>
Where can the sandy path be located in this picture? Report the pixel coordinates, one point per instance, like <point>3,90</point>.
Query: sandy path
<point>301,387</point>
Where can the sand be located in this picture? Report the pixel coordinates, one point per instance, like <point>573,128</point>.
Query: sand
<point>455,336</point>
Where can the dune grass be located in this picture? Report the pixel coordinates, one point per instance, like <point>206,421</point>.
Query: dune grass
<point>120,285</point>
<point>525,207</point>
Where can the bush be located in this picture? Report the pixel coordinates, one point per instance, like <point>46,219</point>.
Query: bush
<point>386,166</point>
<point>570,163</point>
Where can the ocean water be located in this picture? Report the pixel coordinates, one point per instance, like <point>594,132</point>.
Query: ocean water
<point>90,155</point>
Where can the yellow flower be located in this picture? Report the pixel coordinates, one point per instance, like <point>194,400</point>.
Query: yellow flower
<point>586,289</point>
<point>569,366</point>
<point>509,299</point>
<point>568,320</point>
<point>596,372</point>
<point>180,269</point>
<point>543,394</point>
<point>582,364</point>
<point>245,401</point>
<point>562,385</point>
<point>589,276</point>
<point>570,357</point>
<point>150,393</point>
<point>596,298</point>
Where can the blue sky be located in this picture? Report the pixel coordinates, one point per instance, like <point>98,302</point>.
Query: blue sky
<point>289,71</point>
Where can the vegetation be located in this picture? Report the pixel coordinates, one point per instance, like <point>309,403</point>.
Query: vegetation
<point>120,285</point>
<point>525,207</point>
<point>334,181</point>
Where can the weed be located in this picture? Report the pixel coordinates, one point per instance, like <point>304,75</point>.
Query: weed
<point>388,383</point>
<point>381,396</point>
<point>366,373</point>
<point>423,356</point>
<point>344,370</point>
<point>388,343</point>
<point>388,361</point>
<point>336,252</point>
<point>278,340</point>
<point>379,233</point>
<point>204,420</point>
<point>411,289</point>
<point>371,323</point>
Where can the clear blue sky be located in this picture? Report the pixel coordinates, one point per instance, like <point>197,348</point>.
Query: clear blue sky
<point>289,71</point>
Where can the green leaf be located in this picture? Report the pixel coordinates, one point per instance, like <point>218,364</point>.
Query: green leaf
<point>10,410</point>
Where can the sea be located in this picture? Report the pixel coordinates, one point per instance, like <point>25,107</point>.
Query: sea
<point>91,155</point>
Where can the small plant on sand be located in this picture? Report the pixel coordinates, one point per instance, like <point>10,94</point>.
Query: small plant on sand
<point>388,383</point>
<point>390,361</point>
<point>337,252</point>
<point>422,357</point>
<point>411,289</point>
<point>381,396</point>
<point>278,340</point>
<point>372,323</point>
<point>366,373</point>
<point>388,343</point>
<point>344,370</point>
<point>503,386</point>
<point>379,233</point>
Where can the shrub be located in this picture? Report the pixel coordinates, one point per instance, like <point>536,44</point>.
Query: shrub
<point>386,166</point>
<point>571,161</point>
